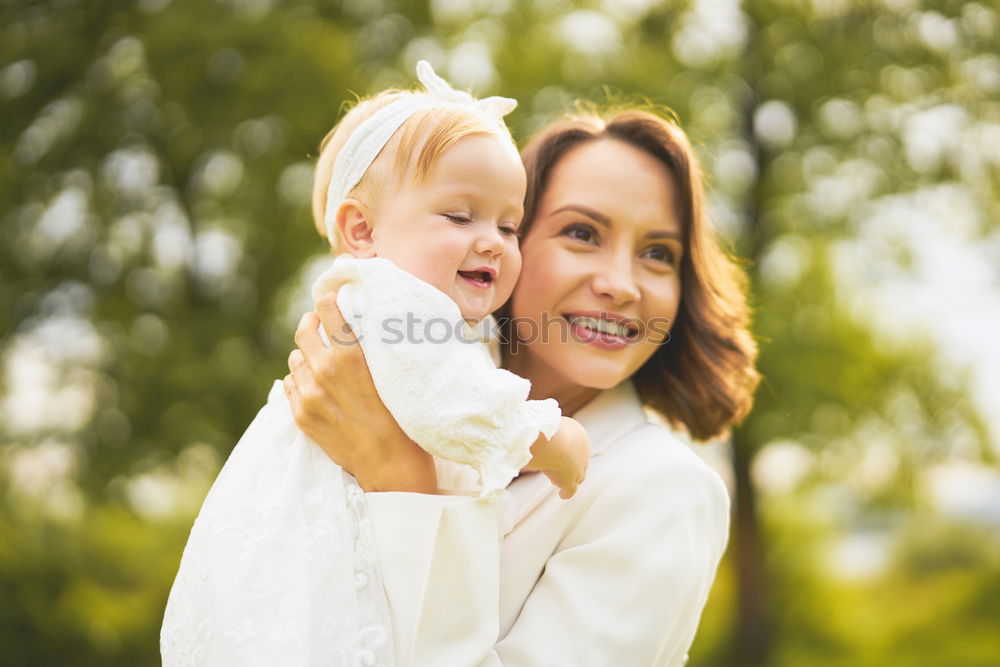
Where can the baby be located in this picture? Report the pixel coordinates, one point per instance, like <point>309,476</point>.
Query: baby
<point>421,194</point>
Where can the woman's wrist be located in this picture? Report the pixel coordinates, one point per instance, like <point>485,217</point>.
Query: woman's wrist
<point>412,473</point>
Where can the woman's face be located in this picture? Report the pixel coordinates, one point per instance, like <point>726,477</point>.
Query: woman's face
<point>600,280</point>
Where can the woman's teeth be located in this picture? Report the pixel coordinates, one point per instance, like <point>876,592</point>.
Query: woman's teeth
<point>601,325</point>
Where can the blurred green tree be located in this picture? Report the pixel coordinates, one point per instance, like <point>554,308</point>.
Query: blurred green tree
<point>829,112</point>
<point>156,161</point>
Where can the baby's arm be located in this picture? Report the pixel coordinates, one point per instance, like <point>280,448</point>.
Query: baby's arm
<point>564,458</point>
<point>446,395</point>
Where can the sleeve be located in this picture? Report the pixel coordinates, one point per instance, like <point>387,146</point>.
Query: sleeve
<point>439,559</point>
<point>626,585</point>
<point>434,375</point>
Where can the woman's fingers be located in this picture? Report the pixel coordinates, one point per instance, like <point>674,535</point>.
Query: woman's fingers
<point>295,360</point>
<point>291,393</point>
<point>298,369</point>
<point>294,396</point>
<point>313,363</point>
<point>307,336</point>
<point>333,321</point>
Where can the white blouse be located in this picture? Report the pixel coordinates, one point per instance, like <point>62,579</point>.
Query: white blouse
<point>616,575</point>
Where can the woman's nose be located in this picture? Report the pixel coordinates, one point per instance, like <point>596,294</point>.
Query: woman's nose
<point>615,279</point>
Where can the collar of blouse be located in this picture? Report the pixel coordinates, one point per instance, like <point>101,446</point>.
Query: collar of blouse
<point>613,413</point>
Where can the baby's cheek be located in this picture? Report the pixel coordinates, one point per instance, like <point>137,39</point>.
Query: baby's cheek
<point>427,269</point>
<point>506,280</point>
<point>511,267</point>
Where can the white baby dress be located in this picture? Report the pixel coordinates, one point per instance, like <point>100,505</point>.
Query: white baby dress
<point>279,568</point>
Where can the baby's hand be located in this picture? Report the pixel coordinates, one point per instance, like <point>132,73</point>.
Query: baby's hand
<point>564,458</point>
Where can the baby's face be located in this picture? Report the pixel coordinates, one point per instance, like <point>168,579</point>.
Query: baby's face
<point>457,229</point>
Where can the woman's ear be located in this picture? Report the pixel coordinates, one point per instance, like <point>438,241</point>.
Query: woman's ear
<point>355,229</point>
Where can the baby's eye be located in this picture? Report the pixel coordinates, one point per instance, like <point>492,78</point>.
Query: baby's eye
<point>458,218</point>
<point>661,253</point>
<point>581,232</point>
<point>509,230</point>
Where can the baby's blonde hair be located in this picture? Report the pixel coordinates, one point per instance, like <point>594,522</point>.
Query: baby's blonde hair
<point>414,149</point>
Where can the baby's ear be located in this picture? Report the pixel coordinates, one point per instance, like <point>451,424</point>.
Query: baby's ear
<point>355,229</point>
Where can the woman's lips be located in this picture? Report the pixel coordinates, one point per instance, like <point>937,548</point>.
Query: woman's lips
<point>602,332</point>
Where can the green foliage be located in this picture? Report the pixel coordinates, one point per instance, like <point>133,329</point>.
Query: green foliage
<point>933,604</point>
<point>88,591</point>
<point>155,159</point>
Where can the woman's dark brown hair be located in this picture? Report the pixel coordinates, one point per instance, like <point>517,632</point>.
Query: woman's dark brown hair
<point>703,376</point>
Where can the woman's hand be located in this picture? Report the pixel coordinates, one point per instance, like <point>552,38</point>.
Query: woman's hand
<point>334,402</point>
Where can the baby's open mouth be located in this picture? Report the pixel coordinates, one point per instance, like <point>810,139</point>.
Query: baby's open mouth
<point>477,276</point>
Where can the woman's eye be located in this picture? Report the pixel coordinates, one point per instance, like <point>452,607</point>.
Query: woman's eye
<point>581,232</point>
<point>660,253</point>
<point>458,219</point>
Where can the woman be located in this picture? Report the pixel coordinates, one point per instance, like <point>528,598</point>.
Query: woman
<point>625,299</point>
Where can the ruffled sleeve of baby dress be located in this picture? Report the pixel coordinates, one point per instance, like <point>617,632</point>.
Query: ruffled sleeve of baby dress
<point>434,374</point>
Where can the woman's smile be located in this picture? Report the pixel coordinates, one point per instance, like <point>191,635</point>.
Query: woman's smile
<point>608,331</point>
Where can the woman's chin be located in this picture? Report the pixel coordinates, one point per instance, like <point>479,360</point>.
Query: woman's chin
<point>597,376</point>
<point>605,381</point>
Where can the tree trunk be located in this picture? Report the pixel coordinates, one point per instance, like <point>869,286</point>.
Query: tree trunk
<point>752,631</point>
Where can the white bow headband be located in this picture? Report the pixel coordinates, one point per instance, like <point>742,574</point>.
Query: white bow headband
<point>368,139</point>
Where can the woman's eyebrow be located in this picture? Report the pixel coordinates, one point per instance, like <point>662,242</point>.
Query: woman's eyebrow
<point>663,234</point>
<point>589,212</point>
<point>604,220</point>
